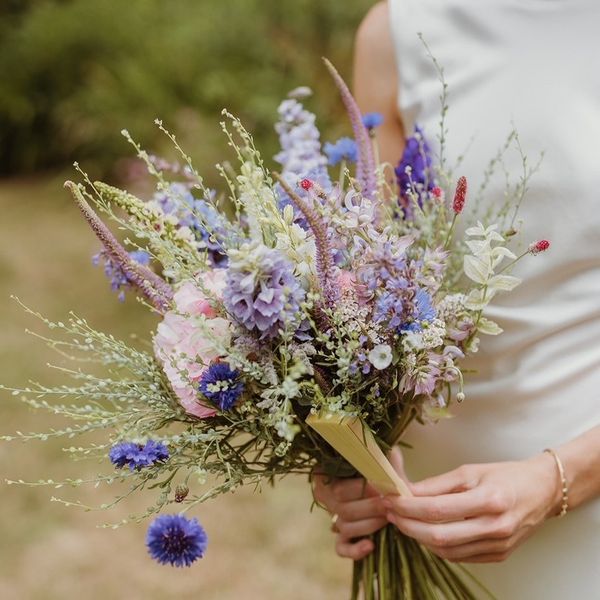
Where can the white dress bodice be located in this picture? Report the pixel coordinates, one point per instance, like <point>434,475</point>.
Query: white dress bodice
<point>531,65</point>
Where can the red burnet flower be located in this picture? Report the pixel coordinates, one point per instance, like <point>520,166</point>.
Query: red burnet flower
<point>306,184</point>
<point>460,195</point>
<point>437,192</point>
<point>538,247</point>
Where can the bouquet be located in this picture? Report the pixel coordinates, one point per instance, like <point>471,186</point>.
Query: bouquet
<point>306,318</point>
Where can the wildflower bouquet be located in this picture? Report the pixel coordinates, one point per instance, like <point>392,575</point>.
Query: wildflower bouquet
<point>291,296</point>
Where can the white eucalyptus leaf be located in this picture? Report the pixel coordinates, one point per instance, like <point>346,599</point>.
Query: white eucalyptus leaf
<point>476,269</point>
<point>478,246</point>
<point>488,327</point>
<point>475,301</point>
<point>505,283</point>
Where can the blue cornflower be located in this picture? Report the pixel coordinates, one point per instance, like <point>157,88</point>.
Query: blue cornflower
<point>124,454</point>
<point>221,385</point>
<point>176,540</point>
<point>155,451</point>
<point>136,456</point>
<point>118,278</point>
<point>372,120</point>
<point>344,149</point>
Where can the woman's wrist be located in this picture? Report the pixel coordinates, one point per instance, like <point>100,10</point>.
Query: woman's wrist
<point>551,496</point>
<point>581,461</point>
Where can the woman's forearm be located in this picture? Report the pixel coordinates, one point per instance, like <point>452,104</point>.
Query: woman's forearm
<point>581,461</point>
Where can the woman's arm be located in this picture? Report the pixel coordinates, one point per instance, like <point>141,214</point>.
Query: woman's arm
<point>376,80</point>
<point>482,512</point>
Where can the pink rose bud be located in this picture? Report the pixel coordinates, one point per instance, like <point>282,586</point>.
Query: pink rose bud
<point>460,195</point>
<point>538,247</point>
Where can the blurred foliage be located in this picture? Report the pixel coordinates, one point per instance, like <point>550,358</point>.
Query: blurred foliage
<point>73,73</point>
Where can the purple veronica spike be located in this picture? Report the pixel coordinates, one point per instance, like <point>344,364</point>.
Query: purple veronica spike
<point>365,165</point>
<point>325,266</point>
<point>154,288</point>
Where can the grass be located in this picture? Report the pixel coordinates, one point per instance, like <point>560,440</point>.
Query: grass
<point>263,545</point>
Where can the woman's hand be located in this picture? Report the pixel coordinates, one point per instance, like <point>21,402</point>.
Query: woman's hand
<point>359,509</point>
<point>479,513</point>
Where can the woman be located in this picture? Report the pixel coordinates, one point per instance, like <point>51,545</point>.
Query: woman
<point>490,492</point>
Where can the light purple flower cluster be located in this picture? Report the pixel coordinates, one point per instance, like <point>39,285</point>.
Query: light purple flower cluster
<point>261,291</point>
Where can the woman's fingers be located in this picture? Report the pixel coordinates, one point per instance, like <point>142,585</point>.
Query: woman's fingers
<point>447,507</point>
<point>344,490</point>
<point>458,480</point>
<point>354,550</point>
<point>330,491</point>
<point>443,535</point>
<point>474,550</point>
<point>356,510</point>
<point>355,529</point>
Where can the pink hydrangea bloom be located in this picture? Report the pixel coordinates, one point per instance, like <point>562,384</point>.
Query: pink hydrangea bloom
<point>185,340</point>
<point>192,300</point>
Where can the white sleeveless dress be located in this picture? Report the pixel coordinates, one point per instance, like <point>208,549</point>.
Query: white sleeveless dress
<point>532,64</point>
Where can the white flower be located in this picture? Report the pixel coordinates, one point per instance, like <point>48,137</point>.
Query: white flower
<point>381,356</point>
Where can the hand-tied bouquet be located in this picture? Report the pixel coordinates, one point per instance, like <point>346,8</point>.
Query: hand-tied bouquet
<point>291,296</point>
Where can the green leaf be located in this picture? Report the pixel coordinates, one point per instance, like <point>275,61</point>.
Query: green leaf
<point>475,300</point>
<point>506,283</point>
<point>488,327</point>
<point>476,269</point>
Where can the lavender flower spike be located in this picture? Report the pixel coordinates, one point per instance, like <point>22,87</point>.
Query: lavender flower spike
<point>365,165</point>
<point>325,266</point>
<point>157,291</point>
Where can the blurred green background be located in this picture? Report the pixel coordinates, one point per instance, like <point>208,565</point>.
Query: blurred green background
<point>73,73</point>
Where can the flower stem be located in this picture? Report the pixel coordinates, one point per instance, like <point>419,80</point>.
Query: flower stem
<point>450,232</point>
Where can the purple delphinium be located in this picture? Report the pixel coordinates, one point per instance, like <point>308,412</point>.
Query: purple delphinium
<point>372,120</point>
<point>136,456</point>
<point>299,139</point>
<point>344,149</point>
<point>262,292</point>
<point>300,156</point>
<point>415,170</point>
<point>119,280</point>
<point>221,385</point>
<point>176,540</point>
